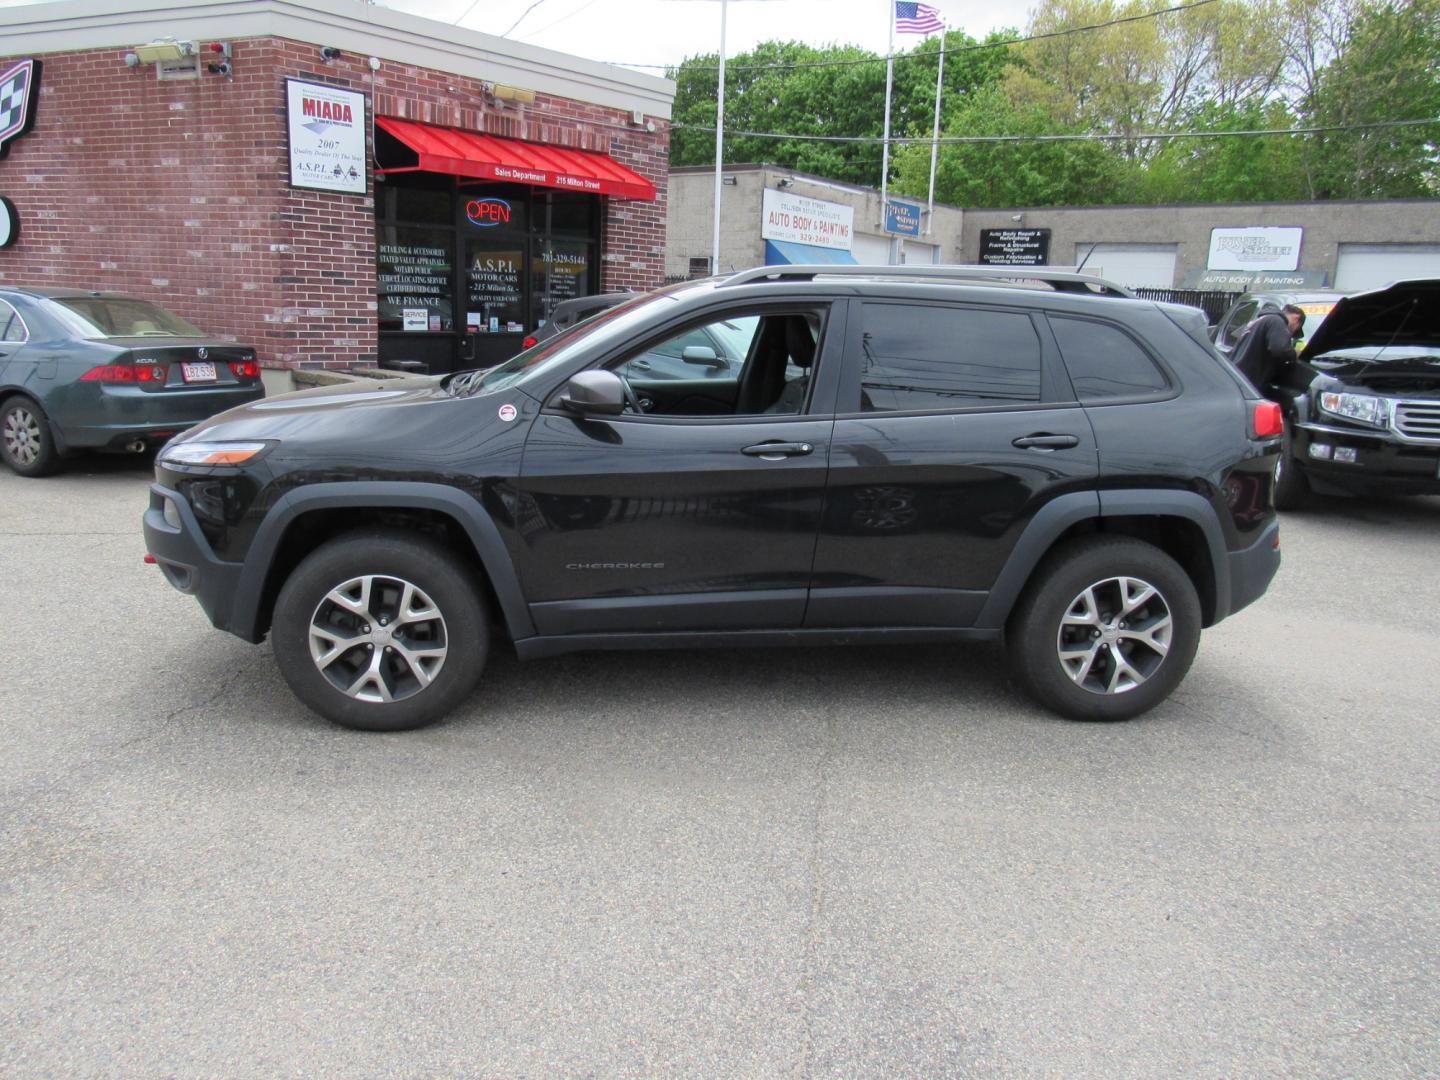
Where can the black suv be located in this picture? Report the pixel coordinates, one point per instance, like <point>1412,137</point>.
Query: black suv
<point>1362,400</point>
<point>905,454</point>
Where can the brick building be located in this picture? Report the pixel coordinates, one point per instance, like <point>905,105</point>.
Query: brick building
<point>488,180</point>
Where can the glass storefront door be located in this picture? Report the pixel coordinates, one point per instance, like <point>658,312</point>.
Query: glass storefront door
<point>466,270</point>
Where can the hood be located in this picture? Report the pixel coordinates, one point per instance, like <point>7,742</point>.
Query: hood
<point>1405,313</point>
<point>327,411</point>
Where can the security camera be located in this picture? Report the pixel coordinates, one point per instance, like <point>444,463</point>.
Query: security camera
<point>329,53</point>
<point>374,63</point>
<point>222,68</point>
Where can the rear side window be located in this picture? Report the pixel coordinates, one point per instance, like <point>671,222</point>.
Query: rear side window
<point>920,357</point>
<point>1105,362</point>
<point>11,328</point>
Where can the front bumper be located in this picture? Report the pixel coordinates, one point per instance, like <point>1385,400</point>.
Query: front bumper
<point>174,537</point>
<point>1382,462</point>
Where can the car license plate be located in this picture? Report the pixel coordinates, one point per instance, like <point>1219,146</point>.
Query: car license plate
<point>198,372</point>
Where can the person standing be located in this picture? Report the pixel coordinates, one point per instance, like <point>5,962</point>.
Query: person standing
<point>1267,344</point>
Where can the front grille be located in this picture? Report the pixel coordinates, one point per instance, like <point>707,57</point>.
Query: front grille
<point>1418,420</point>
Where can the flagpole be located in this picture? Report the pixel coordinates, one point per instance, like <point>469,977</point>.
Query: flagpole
<point>719,146</point>
<point>935,138</point>
<point>885,153</point>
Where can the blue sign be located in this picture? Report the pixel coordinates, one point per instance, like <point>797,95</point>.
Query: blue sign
<point>902,218</point>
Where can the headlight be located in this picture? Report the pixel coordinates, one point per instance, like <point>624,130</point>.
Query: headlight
<point>1362,408</point>
<point>211,453</point>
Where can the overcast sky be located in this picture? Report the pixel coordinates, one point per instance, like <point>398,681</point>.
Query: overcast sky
<point>666,31</point>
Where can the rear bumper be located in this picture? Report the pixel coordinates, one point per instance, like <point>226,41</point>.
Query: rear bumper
<point>121,414</point>
<point>1253,568</point>
<point>187,560</point>
<point>1382,464</point>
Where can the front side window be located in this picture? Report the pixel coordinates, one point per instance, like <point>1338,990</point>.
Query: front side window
<point>1234,327</point>
<point>744,363</point>
<point>924,357</point>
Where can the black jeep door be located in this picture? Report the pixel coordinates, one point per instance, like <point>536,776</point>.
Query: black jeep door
<point>701,512</point>
<point>954,425</point>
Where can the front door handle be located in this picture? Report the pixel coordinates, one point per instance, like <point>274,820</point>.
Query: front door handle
<point>778,451</point>
<point>1045,441</point>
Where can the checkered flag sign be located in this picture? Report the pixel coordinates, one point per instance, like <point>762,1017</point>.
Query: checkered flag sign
<point>17,100</point>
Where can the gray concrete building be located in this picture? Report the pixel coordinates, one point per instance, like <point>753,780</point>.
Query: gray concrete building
<point>771,215</point>
<point>1347,245</point>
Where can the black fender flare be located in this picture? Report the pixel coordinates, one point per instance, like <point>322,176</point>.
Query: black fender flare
<point>1065,511</point>
<point>455,504</point>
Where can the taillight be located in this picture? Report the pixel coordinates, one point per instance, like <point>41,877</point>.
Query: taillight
<point>529,342</point>
<point>1269,420</point>
<point>245,369</point>
<point>125,373</point>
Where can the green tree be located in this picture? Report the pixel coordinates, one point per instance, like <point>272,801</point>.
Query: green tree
<point>791,88</point>
<point>1388,69</point>
<point>1009,174</point>
<point>1236,169</point>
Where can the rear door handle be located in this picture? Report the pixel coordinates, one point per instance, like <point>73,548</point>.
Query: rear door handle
<point>777,451</point>
<point>1045,441</point>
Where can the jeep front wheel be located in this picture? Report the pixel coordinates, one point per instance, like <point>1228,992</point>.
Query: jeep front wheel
<point>380,631</point>
<point>1106,630</point>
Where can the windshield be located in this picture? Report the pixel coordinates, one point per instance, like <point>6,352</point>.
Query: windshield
<point>613,323</point>
<point>109,316</point>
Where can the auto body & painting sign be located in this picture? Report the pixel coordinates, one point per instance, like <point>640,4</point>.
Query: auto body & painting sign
<point>327,137</point>
<point>1255,249</point>
<point>803,220</point>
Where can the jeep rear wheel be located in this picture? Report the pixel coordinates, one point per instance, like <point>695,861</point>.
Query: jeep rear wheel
<point>380,631</point>
<point>1106,630</point>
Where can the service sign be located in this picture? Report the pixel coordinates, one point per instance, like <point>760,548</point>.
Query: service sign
<point>802,220</point>
<point>1255,249</point>
<point>902,218</point>
<point>1015,247</point>
<point>327,137</point>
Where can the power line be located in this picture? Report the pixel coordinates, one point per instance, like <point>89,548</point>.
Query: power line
<point>521,19</point>
<point>1139,137</point>
<point>913,55</point>
<point>556,22</point>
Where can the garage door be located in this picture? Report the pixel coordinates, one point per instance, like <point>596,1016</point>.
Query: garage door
<point>918,254</point>
<point>870,250</point>
<point>1369,266</point>
<point>1136,266</point>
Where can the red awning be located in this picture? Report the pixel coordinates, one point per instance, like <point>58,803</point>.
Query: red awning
<point>486,157</point>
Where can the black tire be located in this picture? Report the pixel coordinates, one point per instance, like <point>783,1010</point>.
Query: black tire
<point>1038,629</point>
<point>1291,490</point>
<point>422,691</point>
<point>26,441</point>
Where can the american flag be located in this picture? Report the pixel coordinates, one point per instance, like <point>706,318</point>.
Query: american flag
<point>916,18</point>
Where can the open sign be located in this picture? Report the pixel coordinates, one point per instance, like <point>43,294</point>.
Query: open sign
<point>487,213</point>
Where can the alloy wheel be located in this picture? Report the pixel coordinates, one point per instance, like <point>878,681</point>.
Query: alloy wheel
<point>1114,635</point>
<point>378,638</point>
<point>21,435</point>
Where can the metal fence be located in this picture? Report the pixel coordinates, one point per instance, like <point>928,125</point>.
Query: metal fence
<point>1214,304</point>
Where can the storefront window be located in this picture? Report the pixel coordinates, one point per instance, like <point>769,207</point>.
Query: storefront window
<point>494,283</point>
<point>415,271</point>
<point>560,271</point>
<point>466,269</point>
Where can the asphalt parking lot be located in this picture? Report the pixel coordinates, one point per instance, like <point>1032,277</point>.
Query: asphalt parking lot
<point>837,863</point>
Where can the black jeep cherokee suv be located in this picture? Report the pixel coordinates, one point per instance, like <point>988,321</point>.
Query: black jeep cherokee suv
<point>905,454</point>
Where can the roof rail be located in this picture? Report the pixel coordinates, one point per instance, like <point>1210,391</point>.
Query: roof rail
<point>1059,280</point>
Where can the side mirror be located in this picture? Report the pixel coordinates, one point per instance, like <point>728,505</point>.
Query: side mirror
<point>703,355</point>
<point>595,393</point>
